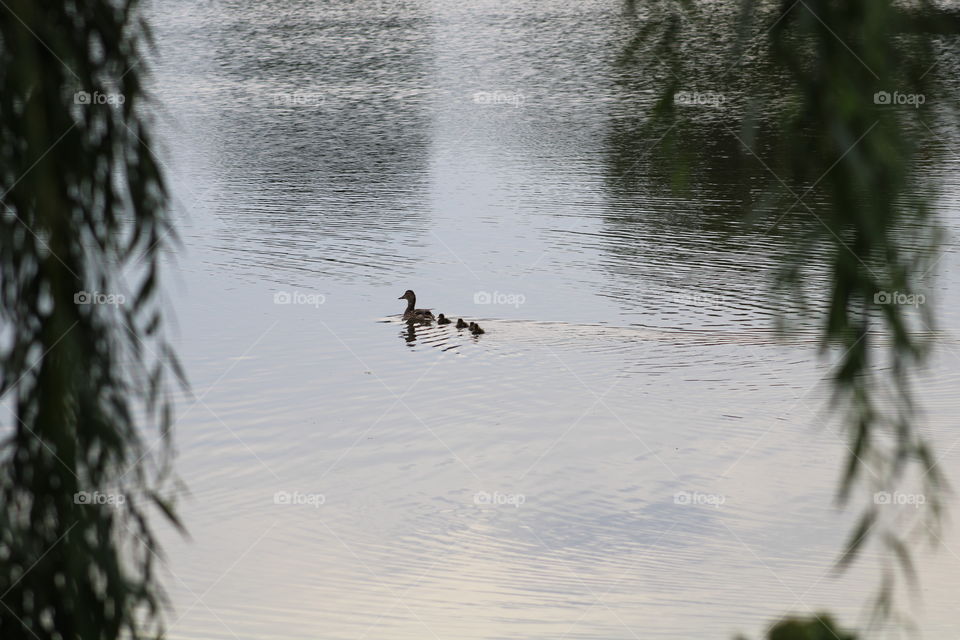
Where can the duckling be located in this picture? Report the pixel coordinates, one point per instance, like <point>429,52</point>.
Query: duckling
<point>475,329</point>
<point>441,319</point>
<point>461,324</point>
<point>422,315</point>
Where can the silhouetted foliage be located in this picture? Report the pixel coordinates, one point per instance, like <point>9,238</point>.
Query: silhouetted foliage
<point>817,628</point>
<point>82,363</point>
<point>807,93</point>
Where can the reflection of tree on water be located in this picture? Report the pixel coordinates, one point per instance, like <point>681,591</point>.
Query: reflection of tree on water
<point>717,237</point>
<point>324,179</point>
<point>681,189</point>
<point>827,170</point>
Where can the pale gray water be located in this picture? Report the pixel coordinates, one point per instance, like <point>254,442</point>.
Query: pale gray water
<point>336,150</point>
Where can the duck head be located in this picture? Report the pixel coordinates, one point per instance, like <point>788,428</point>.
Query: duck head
<point>408,295</point>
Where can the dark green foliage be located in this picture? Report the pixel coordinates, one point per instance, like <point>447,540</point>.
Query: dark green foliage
<point>83,210</point>
<point>818,628</point>
<point>824,163</point>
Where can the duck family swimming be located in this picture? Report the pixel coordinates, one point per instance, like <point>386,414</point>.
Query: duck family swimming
<point>412,314</point>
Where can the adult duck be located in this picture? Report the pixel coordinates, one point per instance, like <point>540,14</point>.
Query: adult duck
<point>421,315</point>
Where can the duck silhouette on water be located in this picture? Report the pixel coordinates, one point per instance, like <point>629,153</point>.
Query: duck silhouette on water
<point>412,314</point>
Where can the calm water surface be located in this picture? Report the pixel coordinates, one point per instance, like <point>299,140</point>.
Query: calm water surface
<point>522,484</point>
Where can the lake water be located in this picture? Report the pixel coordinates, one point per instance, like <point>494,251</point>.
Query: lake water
<point>629,451</point>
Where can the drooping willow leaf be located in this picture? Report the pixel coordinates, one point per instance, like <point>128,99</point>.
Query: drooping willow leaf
<point>82,226</point>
